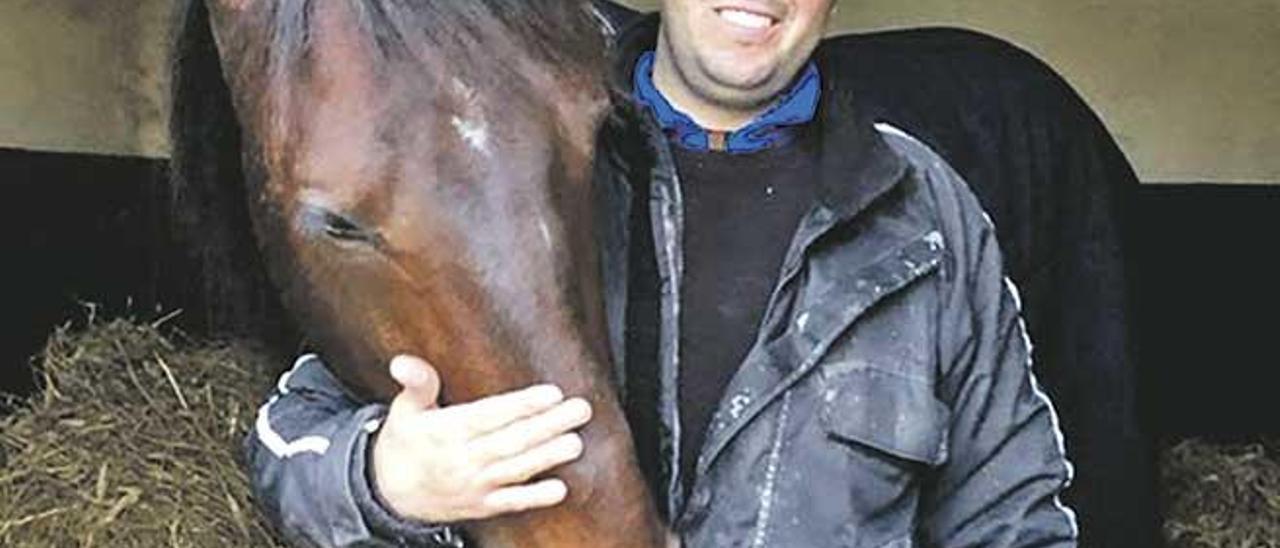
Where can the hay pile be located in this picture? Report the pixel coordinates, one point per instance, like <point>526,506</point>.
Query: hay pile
<point>135,438</point>
<point>1222,496</point>
<point>133,442</point>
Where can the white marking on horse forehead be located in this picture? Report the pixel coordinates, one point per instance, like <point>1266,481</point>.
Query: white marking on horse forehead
<point>466,93</point>
<point>471,124</point>
<point>475,131</point>
<point>546,232</point>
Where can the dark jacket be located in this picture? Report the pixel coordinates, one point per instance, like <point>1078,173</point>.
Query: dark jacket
<point>888,400</point>
<point>1058,188</point>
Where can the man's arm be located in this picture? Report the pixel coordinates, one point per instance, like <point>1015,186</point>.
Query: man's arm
<point>329,470</point>
<point>307,461</point>
<point>1007,466</point>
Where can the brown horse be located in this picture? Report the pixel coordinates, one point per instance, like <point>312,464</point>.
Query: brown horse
<point>418,175</point>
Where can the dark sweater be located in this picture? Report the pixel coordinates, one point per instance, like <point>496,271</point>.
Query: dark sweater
<point>740,211</point>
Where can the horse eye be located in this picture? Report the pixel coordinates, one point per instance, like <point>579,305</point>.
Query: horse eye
<point>344,229</point>
<point>317,221</point>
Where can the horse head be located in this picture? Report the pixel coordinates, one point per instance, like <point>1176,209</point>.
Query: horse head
<point>419,180</point>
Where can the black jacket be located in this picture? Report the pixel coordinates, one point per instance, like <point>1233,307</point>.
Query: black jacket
<point>889,380</point>
<point>1058,189</point>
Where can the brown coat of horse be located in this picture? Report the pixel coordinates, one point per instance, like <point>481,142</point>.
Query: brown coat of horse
<point>419,178</point>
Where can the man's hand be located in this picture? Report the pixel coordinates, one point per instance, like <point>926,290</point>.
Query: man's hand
<point>473,460</point>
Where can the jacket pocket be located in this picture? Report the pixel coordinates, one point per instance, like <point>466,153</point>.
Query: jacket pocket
<point>890,413</point>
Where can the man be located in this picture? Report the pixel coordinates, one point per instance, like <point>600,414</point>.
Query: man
<point>822,347</point>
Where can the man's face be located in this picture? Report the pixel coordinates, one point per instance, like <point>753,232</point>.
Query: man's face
<point>740,53</point>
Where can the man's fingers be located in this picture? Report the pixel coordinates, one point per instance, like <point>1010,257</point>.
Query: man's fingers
<point>519,498</point>
<point>420,381</point>
<point>530,432</point>
<point>488,414</point>
<point>519,468</point>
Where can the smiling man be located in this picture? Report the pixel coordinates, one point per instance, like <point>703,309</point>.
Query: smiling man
<point>821,347</point>
<point>724,62</point>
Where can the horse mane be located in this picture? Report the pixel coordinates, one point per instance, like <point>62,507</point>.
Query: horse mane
<point>562,34</point>
<point>226,279</point>
<point>228,291</point>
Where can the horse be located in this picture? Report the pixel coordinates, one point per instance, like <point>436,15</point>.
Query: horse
<point>415,176</point>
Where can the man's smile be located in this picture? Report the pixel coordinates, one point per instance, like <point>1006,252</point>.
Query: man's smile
<point>746,18</point>
<point>749,21</point>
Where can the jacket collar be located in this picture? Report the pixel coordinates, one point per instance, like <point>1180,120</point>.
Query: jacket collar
<point>775,127</point>
<point>856,165</point>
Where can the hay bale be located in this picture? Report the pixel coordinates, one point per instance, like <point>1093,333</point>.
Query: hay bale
<point>1221,496</point>
<point>133,441</point>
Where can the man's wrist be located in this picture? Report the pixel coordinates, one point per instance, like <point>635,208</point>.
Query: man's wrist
<point>380,517</point>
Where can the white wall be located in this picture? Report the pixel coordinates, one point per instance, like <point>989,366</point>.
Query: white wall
<point>83,75</point>
<point>1191,88</point>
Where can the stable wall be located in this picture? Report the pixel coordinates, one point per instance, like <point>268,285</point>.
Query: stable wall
<point>84,75</point>
<point>1190,88</point>
<point>1191,102</point>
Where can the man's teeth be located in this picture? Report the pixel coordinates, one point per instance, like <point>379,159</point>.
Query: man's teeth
<point>746,18</point>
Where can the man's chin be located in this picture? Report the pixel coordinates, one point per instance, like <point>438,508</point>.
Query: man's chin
<point>744,93</point>
<point>735,72</point>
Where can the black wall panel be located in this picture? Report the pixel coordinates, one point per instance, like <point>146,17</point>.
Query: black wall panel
<point>73,229</point>
<point>1208,287</point>
<point>83,228</point>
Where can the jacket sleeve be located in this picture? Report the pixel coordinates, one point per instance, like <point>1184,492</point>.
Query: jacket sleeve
<point>306,459</point>
<point>1006,464</point>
